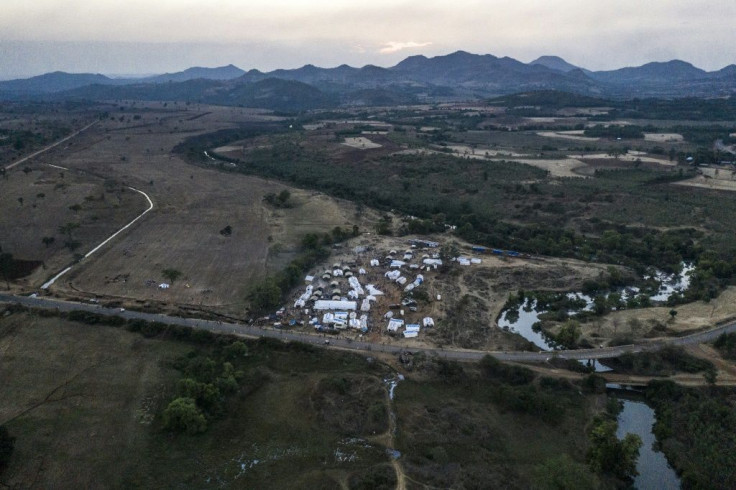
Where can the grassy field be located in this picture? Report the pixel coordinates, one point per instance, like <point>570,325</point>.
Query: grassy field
<point>467,432</point>
<point>132,145</point>
<point>95,394</point>
<point>302,417</point>
<point>38,201</point>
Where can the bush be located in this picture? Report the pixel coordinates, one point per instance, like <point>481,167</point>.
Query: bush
<point>726,345</point>
<point>7,444</point>
<point>492,368</point>
<point>182,415</point>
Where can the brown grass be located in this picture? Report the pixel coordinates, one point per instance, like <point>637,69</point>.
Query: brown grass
<point>78,394</point>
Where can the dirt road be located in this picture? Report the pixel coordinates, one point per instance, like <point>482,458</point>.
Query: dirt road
<point>52,145</point>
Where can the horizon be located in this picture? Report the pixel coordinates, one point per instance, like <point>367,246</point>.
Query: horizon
<point>173,71</point>
<point>137,37</point>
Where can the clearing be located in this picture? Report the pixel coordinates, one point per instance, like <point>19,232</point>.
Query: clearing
<point>361,143</point>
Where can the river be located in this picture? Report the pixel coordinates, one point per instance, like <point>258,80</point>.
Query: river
<point>654,470</point>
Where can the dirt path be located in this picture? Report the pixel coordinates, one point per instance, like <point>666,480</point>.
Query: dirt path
<point>52,145</point>
<point>150,207</point>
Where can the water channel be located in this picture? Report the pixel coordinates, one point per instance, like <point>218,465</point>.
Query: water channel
<point>654,470</point>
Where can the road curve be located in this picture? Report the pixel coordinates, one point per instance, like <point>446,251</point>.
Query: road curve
<point>346,343</point>
<point>52,145</point>
<point>48,284</point>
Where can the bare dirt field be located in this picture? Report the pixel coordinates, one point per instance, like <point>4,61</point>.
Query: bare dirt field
<point>557,168</point>
<point>631,156</point>
<point>716,178</point>
<point>690,316</point>
<point>577,135</point>
<point>183,232</point>
<point>708,183</point>
<point>361,143</point>
<point>663,137</point>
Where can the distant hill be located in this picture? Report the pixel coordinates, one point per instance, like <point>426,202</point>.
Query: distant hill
<point>271,93</point>
<point>554,63</point>
<point>220,73</point>
<point>53,82</point>
<point>669,71</point>
<point>455,76</point>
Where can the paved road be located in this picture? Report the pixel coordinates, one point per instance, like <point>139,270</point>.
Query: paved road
<point>52,145</point>
<point>346,343</point>
<point>150,207</point>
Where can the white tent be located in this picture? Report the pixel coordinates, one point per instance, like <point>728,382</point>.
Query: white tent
<point>394,324</point>
<point>335,305</point>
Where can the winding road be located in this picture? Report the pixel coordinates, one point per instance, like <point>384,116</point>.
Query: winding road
<point>350,344</point>
<point>51,281</point>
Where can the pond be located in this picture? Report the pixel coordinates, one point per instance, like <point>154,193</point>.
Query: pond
<point>520,319</point>
<point>654,470</point>
<point>525,315</point>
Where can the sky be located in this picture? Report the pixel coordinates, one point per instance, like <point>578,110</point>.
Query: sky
<point>135,37</point>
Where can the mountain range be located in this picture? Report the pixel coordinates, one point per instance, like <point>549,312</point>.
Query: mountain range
<point>459,75</point>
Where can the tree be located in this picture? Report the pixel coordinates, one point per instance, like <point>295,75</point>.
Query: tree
<point>569,334</point>
<point>48,240</point>
<point>265,295</point>
<point>6,266</point>
<point>68,229</point>
<point>171,274</point>
<point>183,415</point>
<point>20,200</point>
<point>673,314</point>
<point>563,473</point>
<point>608,454</point>
<point>7,444</point>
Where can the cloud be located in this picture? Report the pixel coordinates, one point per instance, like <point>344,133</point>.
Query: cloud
<point>393,46</point>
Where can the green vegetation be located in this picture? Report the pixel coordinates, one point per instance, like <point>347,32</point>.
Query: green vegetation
<point>666,361</point>
<point>696,429</point>
<point>619,216</point>
<point>726,345</point>
<point>268,293</point>
<point>280,200</point>
<point>171,274</point>
<point>7,444</point>
<point>460,428</point>
<point>608,454</point>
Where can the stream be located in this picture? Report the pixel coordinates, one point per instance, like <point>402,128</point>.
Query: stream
<point>654,470</point>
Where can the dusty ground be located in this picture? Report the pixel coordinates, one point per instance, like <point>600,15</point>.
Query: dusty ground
<point>361,143</point>
<point>472,296</point>
<point>569,135</point>
<point>557,168</point>
<point>663,137</point>
<point>656,321</point>
<point>705,182</point>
